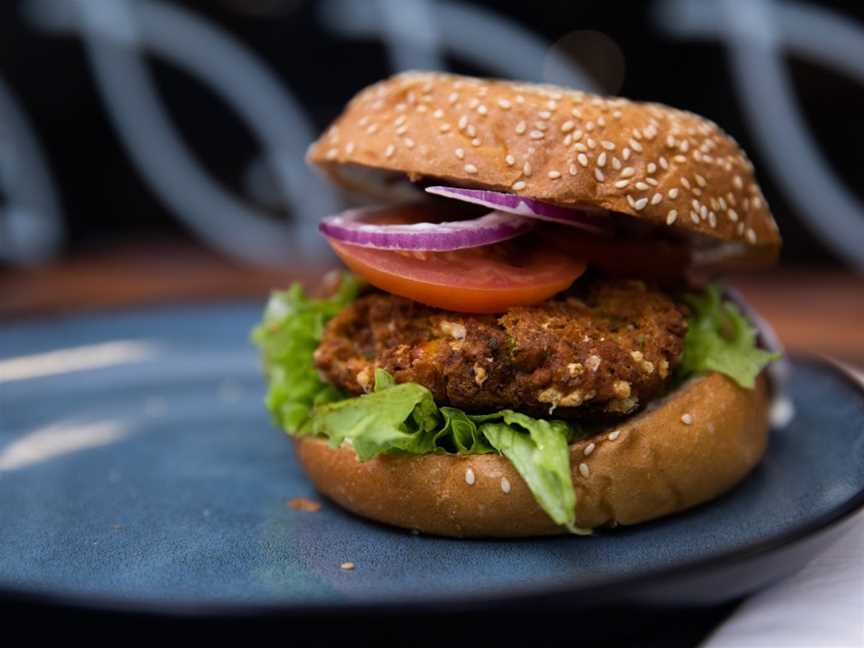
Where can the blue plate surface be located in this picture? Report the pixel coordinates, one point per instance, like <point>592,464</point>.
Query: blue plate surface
<point>139,468</point>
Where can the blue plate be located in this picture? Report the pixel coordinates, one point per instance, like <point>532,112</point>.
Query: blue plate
<point>139,470</point>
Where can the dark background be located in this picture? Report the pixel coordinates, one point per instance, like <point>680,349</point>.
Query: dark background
<point>105,201</point>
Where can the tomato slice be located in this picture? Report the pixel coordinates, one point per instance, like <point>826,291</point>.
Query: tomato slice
<point>487,279</point>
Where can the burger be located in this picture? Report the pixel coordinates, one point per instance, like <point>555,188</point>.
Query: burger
<point>528,340</point>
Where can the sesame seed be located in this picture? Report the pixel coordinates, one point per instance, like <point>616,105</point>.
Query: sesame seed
<point>332,153</point>
<point>505,485</point>
<point>475,141</point>
<point>584,470</point>
<point>576,113</point>
<point>460,153</point>
<point>372,129</point>
<point>601,159</point>
<point>554,175</point>
<point>687,419</point>
<point>409,143</point>
<point>657,198</point>
<point>626,172</point>
<point>536,134</point>
<point>685,183</point>
<point>673,193</point>
<point>470,168</point>
<point>469,477</point>
<point>652,182</point>
<point>589,449</point>
<point>399,120</point>
<point>684,146</point>
<point>401,130</point>
<point>526,168</point>
<point>544,114</point>
<point>599,175</point>
<point>482,109</point>
<point>591,143</point>
<point>519,185</point>
<point>639,204</point>
<point>438,114</point>
<point>583,159</point>
<point>389,151</point>
<point>510,160</point>
<point>589,126</point>
<point>733,215</point>
<point>520,127</point>
<point>579,146</point>
<point>664,162</point>
<point>349,148</point>
<point>453,97</point>
<point>504,104</point>
<point>463,122</point>
<point>444,127</point>
<point>573,170</point>
<point>471,130</point>
<point>567,126</point>
<point>577,135</point>
<point>641,186</point>
<point>616,163</point>
<point>347,566</point>
<point>739,184</point>
<point>694,217</point>
<point>620,184</point>
<point>672,216</point>
<point>568,140</point>
<point>617,114</point>
<point>712,219</point>
<point>636,146</point>
<point>751,235</point>
<point>700,180</point>
<point>606,144</point>
<point>613,436</point>
<point>625,153</point>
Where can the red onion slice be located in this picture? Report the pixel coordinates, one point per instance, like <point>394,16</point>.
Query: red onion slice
<point>354,227</point>
<point>522,206</point>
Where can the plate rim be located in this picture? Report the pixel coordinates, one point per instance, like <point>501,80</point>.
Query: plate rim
<point>102,602</point>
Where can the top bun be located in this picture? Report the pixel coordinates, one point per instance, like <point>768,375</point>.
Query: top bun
<point>659,164</point>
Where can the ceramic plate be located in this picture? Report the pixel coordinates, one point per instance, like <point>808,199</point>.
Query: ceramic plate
<point>140,470</point>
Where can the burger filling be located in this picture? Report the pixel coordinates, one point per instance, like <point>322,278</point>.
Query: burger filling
<point>387,374</point>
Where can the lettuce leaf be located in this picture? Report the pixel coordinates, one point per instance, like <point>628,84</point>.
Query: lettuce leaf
<point>288,336</point>
<point>721,339</point>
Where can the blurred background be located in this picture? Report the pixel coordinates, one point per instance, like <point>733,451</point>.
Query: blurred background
<point>152,150</point>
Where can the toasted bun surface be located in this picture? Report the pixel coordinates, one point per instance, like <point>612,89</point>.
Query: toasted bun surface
<point>654,464</point>
<point>662,165</point>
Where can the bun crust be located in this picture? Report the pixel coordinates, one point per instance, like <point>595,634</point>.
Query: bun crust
<point>653,465</point>
<point>662,165</point>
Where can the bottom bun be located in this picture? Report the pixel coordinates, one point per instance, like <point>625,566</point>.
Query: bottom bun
<point>688,448</point>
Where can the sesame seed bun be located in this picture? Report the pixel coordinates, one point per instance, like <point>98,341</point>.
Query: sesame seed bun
<point>655,163</point>
<point>684,450</point>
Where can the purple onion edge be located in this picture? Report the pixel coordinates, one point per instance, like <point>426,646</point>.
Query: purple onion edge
<point>345,234</point>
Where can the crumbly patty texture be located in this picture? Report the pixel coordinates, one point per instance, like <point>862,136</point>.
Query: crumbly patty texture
<point>601,351</point>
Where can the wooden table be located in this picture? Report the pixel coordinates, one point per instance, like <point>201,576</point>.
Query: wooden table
<point>815,311</point>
